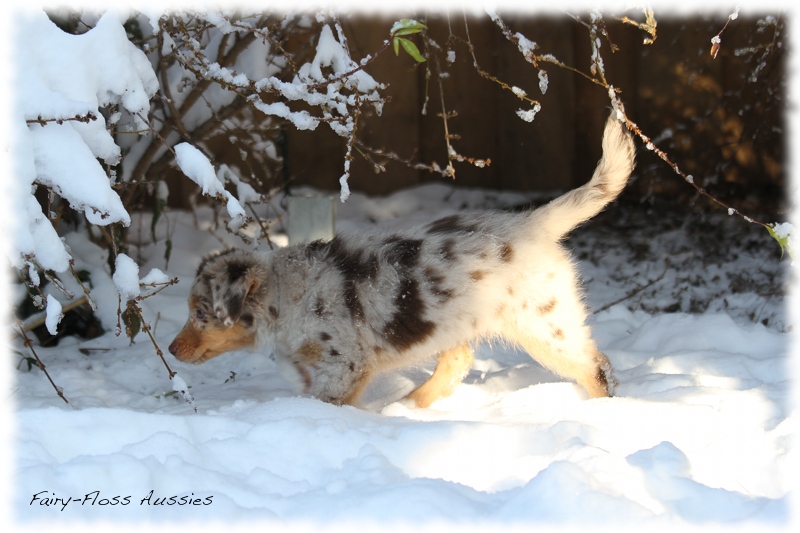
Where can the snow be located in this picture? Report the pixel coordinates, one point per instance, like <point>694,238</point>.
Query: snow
<point>530,114</point>
<point>699,433</point>
<point>155,276</point>
<point>199,169</point>
<point>126,277</point>
<point>785,230</point>
<point>54,314</point>
<point>543,80</point>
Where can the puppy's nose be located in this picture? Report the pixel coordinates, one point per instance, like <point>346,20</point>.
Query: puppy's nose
<point>173,348</point>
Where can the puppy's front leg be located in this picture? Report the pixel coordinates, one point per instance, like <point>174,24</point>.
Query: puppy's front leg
<point>451,367</point>
<point>329,376</point>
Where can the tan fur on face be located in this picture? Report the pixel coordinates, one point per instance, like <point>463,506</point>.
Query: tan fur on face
<point>197,342</point>
<point>333,314</point>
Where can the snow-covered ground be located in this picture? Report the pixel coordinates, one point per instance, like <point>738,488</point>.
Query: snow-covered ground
<point>691,310</point>
<point>698,435</point>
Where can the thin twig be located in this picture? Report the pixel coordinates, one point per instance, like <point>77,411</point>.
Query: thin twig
<point>636,291</point>
<point>613,92</point>
<point>29,345</point>
<point>88,117</point>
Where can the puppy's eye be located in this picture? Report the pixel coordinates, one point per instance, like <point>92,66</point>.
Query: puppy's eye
<point>200,314</point>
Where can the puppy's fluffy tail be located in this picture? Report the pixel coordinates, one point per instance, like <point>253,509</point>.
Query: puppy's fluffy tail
<point>566,212</point>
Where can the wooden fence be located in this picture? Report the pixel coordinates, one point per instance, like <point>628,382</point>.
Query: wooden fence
<point>673,88</point>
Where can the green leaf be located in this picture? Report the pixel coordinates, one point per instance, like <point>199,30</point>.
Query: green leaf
<point>782,240</point>
<point>168,250</point>
<point>396,43</point>
<point>407,27</point>
<point>411,49</point>
<point>158,208</point>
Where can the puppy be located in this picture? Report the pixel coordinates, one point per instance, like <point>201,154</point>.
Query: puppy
<point>335,313</point>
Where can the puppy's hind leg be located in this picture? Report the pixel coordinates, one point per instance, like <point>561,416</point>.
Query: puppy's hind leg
<point>451,367</point>
<point>575,358</point>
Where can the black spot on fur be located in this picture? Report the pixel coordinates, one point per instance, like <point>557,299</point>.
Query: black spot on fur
<point>477,275</point>
<point>352,367</point>
<point>212,257</point>
<point>450,224</point>
<point>448,250</point>
<point>371,266</point>
<point>334,352</point>
<point>355,269</point>
<point>352,301</point>
<point>233,304</point>
<point>247,320</point>
<point>205,280</point>
<point>319,307</point>
<point>325,336</point>
<point>408,326</point>
<point>506,253</point>
<point>315,248</point>
<point>404,252</point>
<point>349,262</point>
<point>273,312</point>
<point>317,245</point>
<point>435,283</point>
<point>548,307</point>
<point>602,379</point>
<point>236,270</point>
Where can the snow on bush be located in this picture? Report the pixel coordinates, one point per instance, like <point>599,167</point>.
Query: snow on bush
<point>63,81</point>
<point>126,277</point>
<point>54,314</point>
<point>345,77</point>
<point>199,169</point>
<point>331,88</point>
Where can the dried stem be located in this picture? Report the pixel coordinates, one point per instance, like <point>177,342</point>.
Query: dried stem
<point>88,117</point>
<point>29,345</point>
<point>636,291</point>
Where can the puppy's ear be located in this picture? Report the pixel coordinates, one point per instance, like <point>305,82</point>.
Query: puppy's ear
<point>238,279</point>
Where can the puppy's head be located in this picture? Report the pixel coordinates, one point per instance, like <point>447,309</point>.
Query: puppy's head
<point>223,306</point>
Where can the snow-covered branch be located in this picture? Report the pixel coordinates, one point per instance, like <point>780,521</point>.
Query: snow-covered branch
<point>332,88</point>
<point>64,81</point>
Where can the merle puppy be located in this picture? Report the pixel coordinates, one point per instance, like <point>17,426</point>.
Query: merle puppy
<point>336,313</point>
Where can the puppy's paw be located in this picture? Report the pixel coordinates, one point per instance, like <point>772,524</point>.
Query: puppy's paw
<point>421,397</point>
